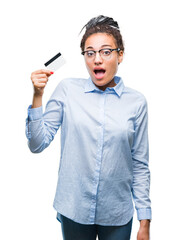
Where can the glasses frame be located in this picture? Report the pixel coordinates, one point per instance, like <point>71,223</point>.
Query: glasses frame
<point>115,49</point>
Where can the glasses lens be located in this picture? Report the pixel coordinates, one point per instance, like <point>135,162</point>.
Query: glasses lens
<point>105,52</point>
<point>90,54</point>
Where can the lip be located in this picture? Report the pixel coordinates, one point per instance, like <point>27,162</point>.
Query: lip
<point>98,68</point>
<point>99,75</point>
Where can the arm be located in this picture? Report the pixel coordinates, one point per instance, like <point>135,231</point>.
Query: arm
<point>144,230</point>
<point>41,128</point>
<point>141,173</point>
<point>39,79</point>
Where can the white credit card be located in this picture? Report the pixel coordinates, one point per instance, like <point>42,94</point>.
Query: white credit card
<point>55,63</point>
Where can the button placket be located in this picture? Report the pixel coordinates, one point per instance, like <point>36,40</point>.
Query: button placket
<point>98,159</point>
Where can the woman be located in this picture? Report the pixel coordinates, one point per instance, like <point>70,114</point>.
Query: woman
<point>104,142</point>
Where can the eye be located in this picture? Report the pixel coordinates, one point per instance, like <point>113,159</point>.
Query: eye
<point>106,52</point>
<point>90,53</point>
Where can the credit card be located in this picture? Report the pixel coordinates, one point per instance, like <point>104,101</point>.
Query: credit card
<point>55,63</point>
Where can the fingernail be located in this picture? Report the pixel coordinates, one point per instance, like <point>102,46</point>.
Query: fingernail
<point>52,72</point>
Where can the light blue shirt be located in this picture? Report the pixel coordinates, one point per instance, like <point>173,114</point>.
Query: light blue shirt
<point>104,151</point>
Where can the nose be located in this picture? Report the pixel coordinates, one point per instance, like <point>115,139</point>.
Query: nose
<point>98,58</point>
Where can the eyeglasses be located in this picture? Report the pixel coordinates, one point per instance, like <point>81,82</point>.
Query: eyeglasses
<point>105,53</point>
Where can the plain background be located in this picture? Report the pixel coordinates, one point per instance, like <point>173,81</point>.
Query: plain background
<point>34,31</point>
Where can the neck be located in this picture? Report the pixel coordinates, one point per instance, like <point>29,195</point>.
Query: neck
<point>110,84</point>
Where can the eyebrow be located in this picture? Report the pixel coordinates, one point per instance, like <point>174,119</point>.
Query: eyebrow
<point>105,45</point>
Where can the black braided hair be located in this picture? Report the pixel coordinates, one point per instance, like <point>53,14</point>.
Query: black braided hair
<point>102,24</point>
<point>101,20</point>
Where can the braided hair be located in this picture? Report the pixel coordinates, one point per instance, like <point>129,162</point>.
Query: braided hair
<point>102,24</point>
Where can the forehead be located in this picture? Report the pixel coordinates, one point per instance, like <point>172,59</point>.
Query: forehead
<point>98,40</point>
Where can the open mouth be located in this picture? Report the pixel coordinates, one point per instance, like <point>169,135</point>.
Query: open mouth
<point>99,73</point>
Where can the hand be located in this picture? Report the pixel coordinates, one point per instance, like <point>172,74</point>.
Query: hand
<point>39,79</point>
<point>143,233</point>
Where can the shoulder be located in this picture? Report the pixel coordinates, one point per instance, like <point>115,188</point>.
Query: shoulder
<point>135,100</point>
<point>135,95</point>
<point>67,83</point>
<point>68,87</point>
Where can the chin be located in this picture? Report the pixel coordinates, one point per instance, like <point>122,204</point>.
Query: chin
<point>99,82</point>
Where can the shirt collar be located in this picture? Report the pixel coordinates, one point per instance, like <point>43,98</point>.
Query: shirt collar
<point>90,86</point>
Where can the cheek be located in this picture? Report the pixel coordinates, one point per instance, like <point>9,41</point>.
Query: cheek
<point>113,67</point>
<point>88,66</point>
<point>116,67</point>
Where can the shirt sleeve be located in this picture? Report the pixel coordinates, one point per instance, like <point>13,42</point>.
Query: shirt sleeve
<point>140,157</point>
<point>41,128</point>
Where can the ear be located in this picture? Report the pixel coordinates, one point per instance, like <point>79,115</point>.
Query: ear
<point>120,56</point>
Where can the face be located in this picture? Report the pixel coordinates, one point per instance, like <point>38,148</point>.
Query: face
<point>102,71</point>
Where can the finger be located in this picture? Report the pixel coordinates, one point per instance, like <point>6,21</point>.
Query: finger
<point>36,79</point>
<point>40,85</point>
<point>39,81</point>
<point>38,76</point>
<point>43,71</point>
<point>42,80</point>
